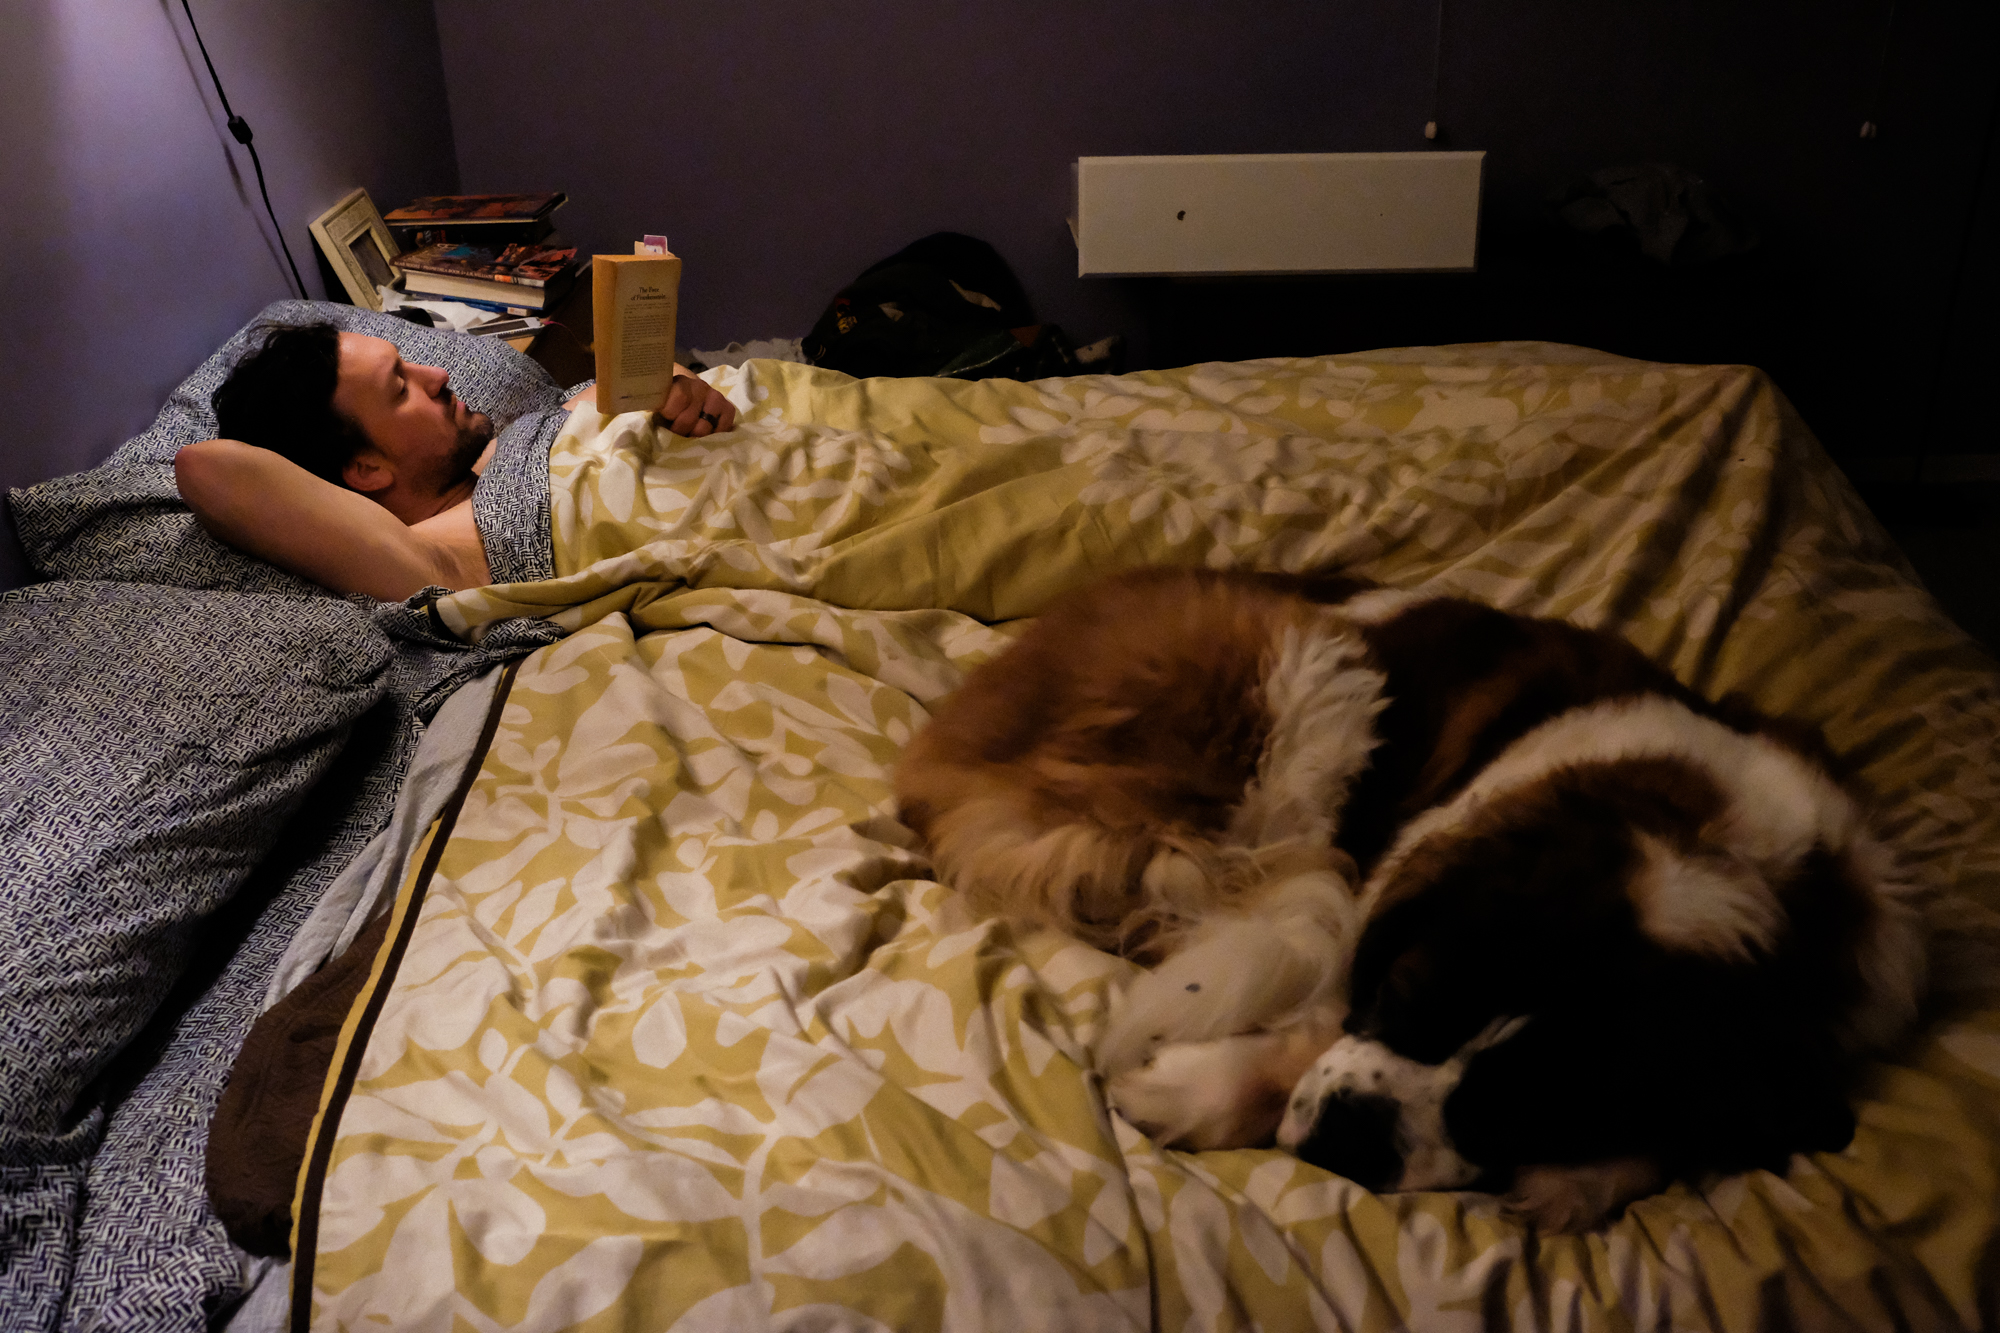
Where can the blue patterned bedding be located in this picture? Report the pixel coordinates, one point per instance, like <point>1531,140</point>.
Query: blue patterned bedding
<point>104,1221</point>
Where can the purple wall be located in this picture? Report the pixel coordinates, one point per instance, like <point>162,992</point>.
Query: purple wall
<point>785,146</point>
<point>134,238</point>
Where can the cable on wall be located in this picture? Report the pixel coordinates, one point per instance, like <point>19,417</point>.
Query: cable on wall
<point>1437,72</point>
<point>1872,124</point>
<point>240,129</point>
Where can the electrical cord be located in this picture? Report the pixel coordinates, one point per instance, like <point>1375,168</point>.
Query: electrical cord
<point>239,128</point>
<point>1873,125</point>
<point>1437,73</point>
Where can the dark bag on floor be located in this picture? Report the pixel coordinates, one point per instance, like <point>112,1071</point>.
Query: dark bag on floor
<point>947,305</point>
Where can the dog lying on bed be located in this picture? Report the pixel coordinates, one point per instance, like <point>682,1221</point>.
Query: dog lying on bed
<point>1438,896</point>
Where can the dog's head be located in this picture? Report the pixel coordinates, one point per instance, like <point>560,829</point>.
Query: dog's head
<point>1638,933</point>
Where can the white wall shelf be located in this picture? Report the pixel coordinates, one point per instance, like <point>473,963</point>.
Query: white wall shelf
<point>1277,213</point>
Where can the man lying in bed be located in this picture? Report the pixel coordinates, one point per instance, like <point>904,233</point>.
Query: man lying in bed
<point>347,465</point>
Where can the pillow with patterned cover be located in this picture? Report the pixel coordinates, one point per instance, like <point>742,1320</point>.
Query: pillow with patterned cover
<point>157,740</point>
<point>124,519</point>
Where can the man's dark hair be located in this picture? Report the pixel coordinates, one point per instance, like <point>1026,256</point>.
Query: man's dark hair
<point>279,396</point>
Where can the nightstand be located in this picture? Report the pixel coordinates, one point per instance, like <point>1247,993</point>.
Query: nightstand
<point>562,346</point>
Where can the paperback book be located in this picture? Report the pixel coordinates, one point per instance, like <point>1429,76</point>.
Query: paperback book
<point>515,308</point>
<point>635,301</point>
<point>495,296</point>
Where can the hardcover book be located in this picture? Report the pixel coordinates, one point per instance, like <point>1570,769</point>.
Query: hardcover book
<point>635,302</point>
<point>523,265</point>
<point>474,209</point>
<point>483,219</point>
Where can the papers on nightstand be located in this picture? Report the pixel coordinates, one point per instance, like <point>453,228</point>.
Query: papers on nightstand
<point>459,316</point>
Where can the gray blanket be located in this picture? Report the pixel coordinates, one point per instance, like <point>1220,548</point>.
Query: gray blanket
<point>122,1236</point>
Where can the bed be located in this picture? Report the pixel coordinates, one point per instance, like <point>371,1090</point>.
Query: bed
<point>668,1024</point>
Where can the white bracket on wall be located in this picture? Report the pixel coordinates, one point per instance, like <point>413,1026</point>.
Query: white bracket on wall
<point>1276,213</point>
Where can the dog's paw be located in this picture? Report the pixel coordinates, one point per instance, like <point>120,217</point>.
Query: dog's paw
<point>1202,1095</point>
<point>1236,974</point>
<point>1567,1200</point>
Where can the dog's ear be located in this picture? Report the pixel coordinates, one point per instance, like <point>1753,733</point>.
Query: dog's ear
<point>1500,923</point>
<point>1565,1088</point>
<point>1421,988</point>
<point>1383,971</point>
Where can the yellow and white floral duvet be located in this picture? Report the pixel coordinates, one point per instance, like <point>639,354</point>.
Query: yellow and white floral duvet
<point>681,1034</point>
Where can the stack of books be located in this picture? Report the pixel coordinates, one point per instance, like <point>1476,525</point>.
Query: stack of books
<point>518,279</point>
<point>494,220</point>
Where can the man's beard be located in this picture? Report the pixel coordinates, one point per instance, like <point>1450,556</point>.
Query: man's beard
<point>472,440</point>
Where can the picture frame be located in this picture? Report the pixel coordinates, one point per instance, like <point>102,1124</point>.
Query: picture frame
<point>358,244</point>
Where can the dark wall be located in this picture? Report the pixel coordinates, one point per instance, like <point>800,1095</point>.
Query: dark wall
<point>1960,417</point>
<point>133,237</point>
<point>783,147</point>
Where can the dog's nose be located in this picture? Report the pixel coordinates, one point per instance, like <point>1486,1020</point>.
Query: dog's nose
<point>1354,1135</point>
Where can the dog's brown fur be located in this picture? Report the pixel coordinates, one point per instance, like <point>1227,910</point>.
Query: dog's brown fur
<point>1112,732</point>
<point>1122,728</point>
<point>1554,831</point>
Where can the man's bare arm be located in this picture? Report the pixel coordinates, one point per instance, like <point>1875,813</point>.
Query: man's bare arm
<point>263,503</point>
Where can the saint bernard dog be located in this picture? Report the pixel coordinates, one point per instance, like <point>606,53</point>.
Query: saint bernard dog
<point>1434,895</point>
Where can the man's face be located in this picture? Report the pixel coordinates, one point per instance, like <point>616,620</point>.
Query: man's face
<point>428,437</point>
